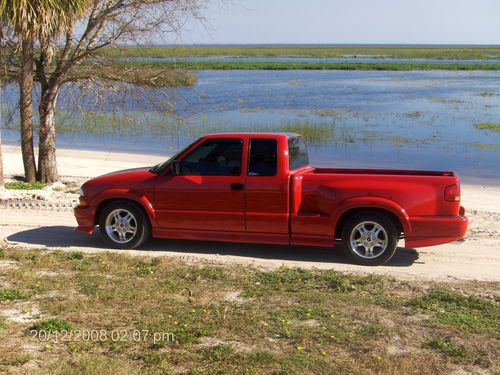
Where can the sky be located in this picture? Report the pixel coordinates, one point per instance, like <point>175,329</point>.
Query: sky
<point>347,22</point>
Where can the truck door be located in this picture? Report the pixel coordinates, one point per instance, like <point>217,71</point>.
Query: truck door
<point>209,191</point>
<point>267,187</point>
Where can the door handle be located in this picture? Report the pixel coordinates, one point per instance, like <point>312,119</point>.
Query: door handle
<point>237,187</point>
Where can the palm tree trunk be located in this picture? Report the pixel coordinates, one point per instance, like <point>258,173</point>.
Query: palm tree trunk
<point>26,109</point>
<point>47,165</point>
<point>1,160</point>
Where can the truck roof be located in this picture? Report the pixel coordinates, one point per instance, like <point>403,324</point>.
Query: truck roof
<point>249,134</point>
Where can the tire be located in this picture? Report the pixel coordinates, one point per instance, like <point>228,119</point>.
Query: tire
<point>369,238</point>
<point>124,225</point>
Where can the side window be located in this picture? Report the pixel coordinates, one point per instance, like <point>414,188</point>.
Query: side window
<point>297,152</point>
<point>221,157</point>
<point>263,157</point>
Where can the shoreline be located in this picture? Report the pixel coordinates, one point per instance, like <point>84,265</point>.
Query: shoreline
<point>98,161</point>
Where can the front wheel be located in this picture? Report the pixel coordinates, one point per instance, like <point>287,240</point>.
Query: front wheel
<point>124,225</point>
<point>369,238</point>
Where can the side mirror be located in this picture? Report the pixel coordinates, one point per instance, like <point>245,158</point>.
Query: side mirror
<point>176,167</point>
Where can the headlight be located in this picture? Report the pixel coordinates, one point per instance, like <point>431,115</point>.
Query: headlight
<point>82,202</point>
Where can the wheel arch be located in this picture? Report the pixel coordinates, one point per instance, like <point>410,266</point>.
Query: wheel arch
<point>391,210</point>
<point>139,200</point>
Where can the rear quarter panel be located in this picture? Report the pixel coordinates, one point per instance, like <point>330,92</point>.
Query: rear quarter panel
<point>326,196</point>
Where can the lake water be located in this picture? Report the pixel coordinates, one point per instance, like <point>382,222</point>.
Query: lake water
<point>416,119</point>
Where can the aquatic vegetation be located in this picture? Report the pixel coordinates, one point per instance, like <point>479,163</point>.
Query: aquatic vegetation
<point>447,101</point>
<point>396,140</point>
<point>486,146</point>
<point>413,114</point>
<point>250,110</point>
<point>141,75</point>
<point>312,132</point>
<point>360,51</point>
<point>491,126</point>
<point>488,94</point>
<point>137,123</point>
<point>295,65</point>
<point>327,112</point>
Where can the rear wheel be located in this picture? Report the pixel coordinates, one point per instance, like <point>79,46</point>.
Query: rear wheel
<point>369,238</point>
<point>123,225</point>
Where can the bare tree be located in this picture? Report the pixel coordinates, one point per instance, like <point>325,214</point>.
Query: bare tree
<point>107,23</point>
<point>75,55</point>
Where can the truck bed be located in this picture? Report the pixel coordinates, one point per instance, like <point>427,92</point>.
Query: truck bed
<point>400,172</point>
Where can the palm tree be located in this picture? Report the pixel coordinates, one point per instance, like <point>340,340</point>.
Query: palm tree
<point>1,159</point>
<point>32,20</point>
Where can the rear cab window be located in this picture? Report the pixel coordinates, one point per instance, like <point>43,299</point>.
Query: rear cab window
<point>297,153</point>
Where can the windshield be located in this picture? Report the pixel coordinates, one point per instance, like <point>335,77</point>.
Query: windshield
<point>158,168</point>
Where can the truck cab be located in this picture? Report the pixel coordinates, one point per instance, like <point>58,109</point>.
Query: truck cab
<point>261,188</point>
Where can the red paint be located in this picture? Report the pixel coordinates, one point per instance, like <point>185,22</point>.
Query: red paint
<point>298,207</point>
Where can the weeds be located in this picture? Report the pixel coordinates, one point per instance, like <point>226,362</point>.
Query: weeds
<point>75,255</point>
<point>11,294</point>
<point>447,347</point>
<point>468,313</point>
<point>490,126</point>
<point>286,320</point>
<point>53,325</point>
<point>21,185</point>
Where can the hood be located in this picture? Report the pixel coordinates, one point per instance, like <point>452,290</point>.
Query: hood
<point>124,179</point>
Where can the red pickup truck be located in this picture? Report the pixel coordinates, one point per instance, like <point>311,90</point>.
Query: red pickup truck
<point>245,187</point>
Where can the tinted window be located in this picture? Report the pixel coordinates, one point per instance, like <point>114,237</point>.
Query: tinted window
<point>297,152</point>
<point>263,157</point>
<point>214,158</point>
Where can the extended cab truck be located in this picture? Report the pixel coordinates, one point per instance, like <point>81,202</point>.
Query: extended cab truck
<point>244,187</point>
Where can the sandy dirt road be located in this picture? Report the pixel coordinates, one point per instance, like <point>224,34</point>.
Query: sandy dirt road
<point>474,259</point>
<point>477,258</point>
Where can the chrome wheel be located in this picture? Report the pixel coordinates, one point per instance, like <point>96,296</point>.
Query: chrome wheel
<point>121,225</point>
<point>368,239</point>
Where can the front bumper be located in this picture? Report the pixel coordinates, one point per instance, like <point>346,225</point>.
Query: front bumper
<point>436,230</point>
<point>85,216</point>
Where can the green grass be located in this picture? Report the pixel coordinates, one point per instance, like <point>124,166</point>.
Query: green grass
<point>11,294</point>
<point>272,282</point>
<point>293,65</point>
<point>53,325</point>
<point>234,319</point>
<point>421,52</point>
<point>446,347</point>
<point>21,185</point>
<point>467,313</point>
<point>490,126</point>
<point>75,255</point>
